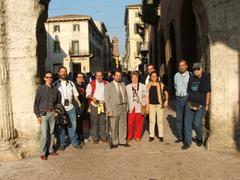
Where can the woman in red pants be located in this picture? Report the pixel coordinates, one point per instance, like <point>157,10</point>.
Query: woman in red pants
<point>136,99</point>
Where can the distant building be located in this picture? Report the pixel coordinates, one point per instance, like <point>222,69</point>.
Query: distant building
<point>77,42</point>
<point>133,39</point>
<point>115,52</point>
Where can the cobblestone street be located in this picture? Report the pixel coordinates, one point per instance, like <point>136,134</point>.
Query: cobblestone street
<point>141,161</point>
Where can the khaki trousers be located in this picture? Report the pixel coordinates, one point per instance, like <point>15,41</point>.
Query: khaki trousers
<point>153,111</point>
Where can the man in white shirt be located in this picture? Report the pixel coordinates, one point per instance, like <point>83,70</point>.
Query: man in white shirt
<point>95,94</point>
<point>150,69</point>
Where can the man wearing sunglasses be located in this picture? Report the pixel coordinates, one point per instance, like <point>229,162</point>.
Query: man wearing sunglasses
<point>47,97</point>
<point>199,89</point>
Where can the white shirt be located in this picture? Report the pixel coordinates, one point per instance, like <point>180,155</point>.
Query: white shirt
<point>181,83</point>
<point>99,91</point>
<point>119,84</point>
<point>147,80</point>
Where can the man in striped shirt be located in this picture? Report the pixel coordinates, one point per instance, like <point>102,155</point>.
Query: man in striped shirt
<point>68,92</point>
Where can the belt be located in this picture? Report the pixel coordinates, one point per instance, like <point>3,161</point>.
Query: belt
<point>181,96</point>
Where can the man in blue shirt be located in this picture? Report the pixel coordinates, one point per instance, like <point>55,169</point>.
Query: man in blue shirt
<point>181,79</point>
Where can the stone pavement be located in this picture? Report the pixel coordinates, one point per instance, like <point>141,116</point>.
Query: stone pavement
<point>144,160</point>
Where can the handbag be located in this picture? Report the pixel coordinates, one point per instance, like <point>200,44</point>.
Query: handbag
<point>194,106</point>
<point>143,110</point>
<point>163,97</point>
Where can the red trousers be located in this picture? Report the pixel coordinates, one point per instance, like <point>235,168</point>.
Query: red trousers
<point>135,125</point>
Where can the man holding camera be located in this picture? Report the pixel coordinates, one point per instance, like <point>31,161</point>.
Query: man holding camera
<point>69,94</point>
<point>47,97</point>
<point>95,94</point>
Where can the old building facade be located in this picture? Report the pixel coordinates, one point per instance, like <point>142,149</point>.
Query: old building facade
<point>207,32</point>
<point>77,42</point>
<point>133,39</point>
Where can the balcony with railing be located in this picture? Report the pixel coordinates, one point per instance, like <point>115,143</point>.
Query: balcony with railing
<point>79,53</point>
<point>144,49</point>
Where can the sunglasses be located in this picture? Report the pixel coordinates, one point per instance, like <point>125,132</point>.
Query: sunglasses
<point>196,69</point>
<point>47,77</point>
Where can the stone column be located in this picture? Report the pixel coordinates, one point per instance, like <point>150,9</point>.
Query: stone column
<point>225,70</point>
<point>22,56</point>
<point>7,142</point>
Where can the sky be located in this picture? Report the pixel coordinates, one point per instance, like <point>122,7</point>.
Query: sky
<point>111,12</point>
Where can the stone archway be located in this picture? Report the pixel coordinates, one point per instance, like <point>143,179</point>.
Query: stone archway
<point>171,58</point>
<point>189,35</point>
<point>163,66</point>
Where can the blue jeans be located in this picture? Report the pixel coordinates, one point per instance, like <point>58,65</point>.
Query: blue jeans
<point>193,118</point>
<point>180,109</point>
<point>47,134</point>
<point>71,127</point>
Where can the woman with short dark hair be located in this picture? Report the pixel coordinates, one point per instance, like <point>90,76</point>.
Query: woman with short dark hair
<point>136,99</point>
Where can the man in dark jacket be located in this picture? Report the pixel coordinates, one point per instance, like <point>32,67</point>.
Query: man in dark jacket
<point>47,97</point>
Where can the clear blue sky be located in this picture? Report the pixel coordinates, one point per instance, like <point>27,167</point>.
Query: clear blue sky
<point>111,12</point>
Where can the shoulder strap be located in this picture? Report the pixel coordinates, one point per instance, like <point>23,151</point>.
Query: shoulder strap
<point>93,85</point>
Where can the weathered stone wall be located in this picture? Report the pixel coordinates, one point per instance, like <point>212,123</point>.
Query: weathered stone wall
<point>218,29</point>
<point>18,64</point>
<point>224,34</point>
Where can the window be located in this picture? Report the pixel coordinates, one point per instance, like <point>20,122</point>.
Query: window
<point>138,47</point>
<point>75,47</point>
<point>57,47</point>
<point>55,67</point>
<point>56,28</point>
<point>136,14</point>
<point>135,28</point>
<point>76,27</point>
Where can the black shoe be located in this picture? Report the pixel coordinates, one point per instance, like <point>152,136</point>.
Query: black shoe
<point>114,146</point>
<point>77,146</point>
<point>124,145</point>
<point>160,139</point>
<point>61,148</point>
<point>178,140</point>
<point>151,139</point>
<point>185,146</point>
<point>199,142</point>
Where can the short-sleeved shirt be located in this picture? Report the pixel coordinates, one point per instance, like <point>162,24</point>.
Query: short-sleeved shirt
<point>181,83</point>
<point>198,88</point>
<point>68,91</point>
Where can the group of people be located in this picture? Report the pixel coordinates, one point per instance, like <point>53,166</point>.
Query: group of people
<point>193,91</point>
<point>62,107</point>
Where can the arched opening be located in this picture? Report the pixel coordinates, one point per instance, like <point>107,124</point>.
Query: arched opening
<point>162,56</point>
<point>189,48</point>
<point>171,59</point>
